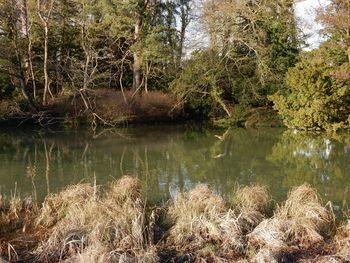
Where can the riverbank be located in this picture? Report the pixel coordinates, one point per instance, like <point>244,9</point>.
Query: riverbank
<point>110,108</point>
<point>101,107</point>
<point>85,223</point>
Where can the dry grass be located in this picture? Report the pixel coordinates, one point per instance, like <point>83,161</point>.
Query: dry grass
<point>252,203</point>
<point>95,227</point>
<point>323,259</point>
<point>16,214</point>
<point>16,227</point>
<point>342,241</point>
<point>57,206</point>
<point>85,224</point>
<point>203,226</point>
<point>296,224</point>
<point>305,215</point>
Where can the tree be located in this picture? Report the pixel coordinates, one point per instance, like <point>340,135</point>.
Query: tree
<point>13,54</point>
<point>317,95</point>
<point>336,19</point>
<point>252,45</point>
<point>256,34</point>
<point>317,89</point>
<point>201,85</point>
<point>44,11</point>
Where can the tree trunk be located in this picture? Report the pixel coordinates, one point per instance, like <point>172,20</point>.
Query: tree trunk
<point>20,62</point>
<point>181,44</point>
<point>45,22</point>
<point>30,56</point>
<point>86,70</point>
<point>46,75</point>
<point>21,59</point>
<point>137,58</point>
<point>185,20</point>
<point>26,28</point>
<point>22,81</point>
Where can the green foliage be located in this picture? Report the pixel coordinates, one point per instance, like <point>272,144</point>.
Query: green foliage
<point>201,85</point>
<point>246,61</point>
<point>91,44</point>
<point>237,118</point>
<point>6,87</point>
<point>317,95</point>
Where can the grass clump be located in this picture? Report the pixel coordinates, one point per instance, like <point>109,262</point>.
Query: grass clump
<point>85,223</point>
<point>252,204</point>
<point>305,215</point>
<point>57,206</point>
<point>17,235</point>
<point>203,226</point>
<point>342,241</point>
<point>296,225</point>
<point>96,227</point>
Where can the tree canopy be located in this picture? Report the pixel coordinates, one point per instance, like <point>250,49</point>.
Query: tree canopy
<point>250,57</point>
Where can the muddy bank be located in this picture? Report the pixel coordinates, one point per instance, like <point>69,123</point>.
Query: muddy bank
<point>101,107</point>
<point>85,223</point>
<point>106,107</point>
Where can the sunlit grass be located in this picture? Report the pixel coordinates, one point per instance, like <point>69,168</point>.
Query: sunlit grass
<point>85,223</point>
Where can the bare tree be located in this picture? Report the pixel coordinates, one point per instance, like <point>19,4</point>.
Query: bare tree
<point>44,11</point>
<point>11,45</point>
<point>26,25</point>
<point>336,18</point>
<point>185,19</point>
<point>138,15</point>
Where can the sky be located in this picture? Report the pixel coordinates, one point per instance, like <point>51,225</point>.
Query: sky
<point>306,13</point>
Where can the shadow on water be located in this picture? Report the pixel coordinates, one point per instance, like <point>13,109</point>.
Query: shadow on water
<point>169,159</point>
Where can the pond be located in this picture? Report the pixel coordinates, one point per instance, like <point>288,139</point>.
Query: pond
<point>168,159</point>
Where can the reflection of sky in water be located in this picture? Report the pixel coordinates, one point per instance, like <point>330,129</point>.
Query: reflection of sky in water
<point>312,150</point>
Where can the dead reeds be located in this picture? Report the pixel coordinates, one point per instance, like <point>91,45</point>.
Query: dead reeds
<point>87,223</point>
<point>296,225</point>
<point>109,227</point>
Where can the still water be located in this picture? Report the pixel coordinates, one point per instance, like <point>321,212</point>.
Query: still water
<point>168,159</point>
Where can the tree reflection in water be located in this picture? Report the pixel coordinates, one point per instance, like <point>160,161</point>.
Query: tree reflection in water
<point>169,159</point>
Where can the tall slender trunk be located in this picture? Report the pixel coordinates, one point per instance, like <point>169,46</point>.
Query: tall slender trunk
<point>20,55</point>
<point>31,68</point>
<point>185,20</point>
<point>20,67</point>
<point>86,70</point>
<point>45,22</point>
<point>26,28</point>
<point>23,84</point>
<point>46,75</point>
<point>181,44</point>
<point>137,58</point>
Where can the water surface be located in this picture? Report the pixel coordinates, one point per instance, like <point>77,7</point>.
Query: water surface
<point>168,159</point>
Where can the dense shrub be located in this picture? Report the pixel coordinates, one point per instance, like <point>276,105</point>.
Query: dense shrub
<point>317,94</point>
<point>203,85</point>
